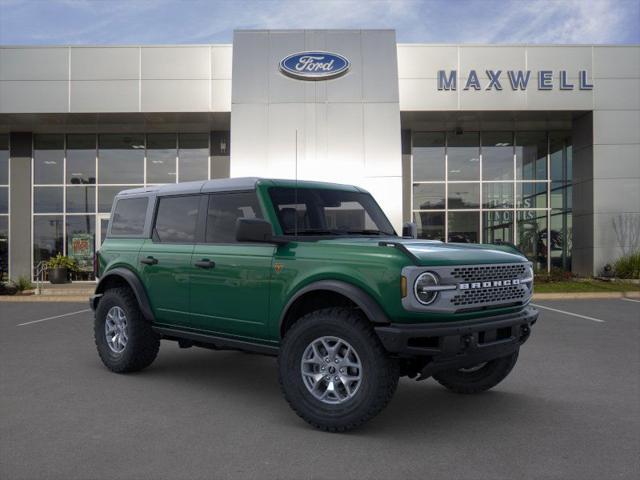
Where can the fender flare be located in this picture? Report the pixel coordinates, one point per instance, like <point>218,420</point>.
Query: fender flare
<point>363,300</point>
<point>134,283</point>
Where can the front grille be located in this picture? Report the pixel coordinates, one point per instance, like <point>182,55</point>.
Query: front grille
<point>493,295</point>
<point>479,273</point>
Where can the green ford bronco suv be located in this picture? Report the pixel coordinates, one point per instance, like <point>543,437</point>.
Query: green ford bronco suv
<point>315,274</point>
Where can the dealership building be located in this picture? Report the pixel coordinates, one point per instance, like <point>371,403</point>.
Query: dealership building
<point>538,145</point>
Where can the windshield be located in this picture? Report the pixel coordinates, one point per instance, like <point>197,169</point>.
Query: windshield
<point>316,211</point>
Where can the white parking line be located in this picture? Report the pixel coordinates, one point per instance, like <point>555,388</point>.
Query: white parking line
<point>54,317</point>
<point>630,300</point>
<point>569,313</point>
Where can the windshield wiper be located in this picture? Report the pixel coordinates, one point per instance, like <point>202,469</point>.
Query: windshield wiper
<point>368,232</point>
<point>316,231</point>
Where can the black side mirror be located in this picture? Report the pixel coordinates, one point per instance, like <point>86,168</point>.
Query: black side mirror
<point>410,230</point>
<point>255,230</point>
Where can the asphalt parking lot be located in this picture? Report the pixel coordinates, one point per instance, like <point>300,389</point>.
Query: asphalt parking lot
<point>570,409</point>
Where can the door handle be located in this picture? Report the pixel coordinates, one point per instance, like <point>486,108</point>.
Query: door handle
<point>205,263</point>
<point>149,261</point>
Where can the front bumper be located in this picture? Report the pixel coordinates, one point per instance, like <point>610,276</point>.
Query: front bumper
<point>454,345</point>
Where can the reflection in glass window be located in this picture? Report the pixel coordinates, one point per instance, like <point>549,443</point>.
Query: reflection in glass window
<point>531,155</point>
<point>430,225</point>
<point>81,159</point>
<point>81,199</point>
<point>106,196</point>
<point>464,195</point>
<point>561,239</point>
<point>4,200</point>
<point>560,156</point>
<point>497,195</point>
<point>428,157</point>
<point>463,156</point>
<point>223,212</point>
<point>48,159</point>
<point>4,247</point>
<point>161,158</point>
<point>497,156</point>
<point>531,195</point>
<point>464,227</point>
<point>176,219</point>
<point>47,200</point>
<point>47,237</point>
<point>81,243</point>
<point>129,216</point>
<point>532,236</point>
<point>498,226</point>
<point>121,158</point>
<point>4,159</point>
<point>193,156</point>
<point>428,196</point>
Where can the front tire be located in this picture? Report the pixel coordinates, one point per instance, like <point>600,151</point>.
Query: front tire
<point>333,370</point>
<point>124,339</point>
<point>478,378</point>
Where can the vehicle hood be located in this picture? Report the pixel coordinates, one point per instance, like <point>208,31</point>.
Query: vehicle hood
<point>435,253</point>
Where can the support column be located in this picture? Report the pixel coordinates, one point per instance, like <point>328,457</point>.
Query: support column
<point>20,153</point>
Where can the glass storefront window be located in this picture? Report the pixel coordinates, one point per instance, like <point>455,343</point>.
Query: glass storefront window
<point>463,156</point>
<point>47,237</point>
<point>4,247</point>
<point>47,200</point>
<point>430,225</point>
<point>106,196</point>
<point>81,199</point>
<point>193,156</point>
<point>4,200</point>
<point>464,195</point>
<point>48,159</point>
<point>4,159</point>
<point>463,227</point>
<point>498,226</point>
<point>497,155</point>
<point>161,157</point>
<point>532,236</point>
<point>560,156</point>
<point>428,157</point>
<point>81,243</point>
<point>560,239</point>
<point>121,159</point>
<point>428,196</point>
<point>81,159</point>
<point>531,195</point>
<point>497,195</point>
<point>531,155</point>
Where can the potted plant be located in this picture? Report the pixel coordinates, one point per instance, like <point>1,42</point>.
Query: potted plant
<point>59,268</point>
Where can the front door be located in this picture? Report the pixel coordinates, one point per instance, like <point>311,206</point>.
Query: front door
<point>165,258</point>
<point>230,281</point>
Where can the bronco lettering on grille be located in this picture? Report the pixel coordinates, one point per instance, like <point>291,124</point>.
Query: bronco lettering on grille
<point>494,283</point>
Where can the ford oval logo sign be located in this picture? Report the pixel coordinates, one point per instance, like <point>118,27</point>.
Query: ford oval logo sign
<point>314,65</point>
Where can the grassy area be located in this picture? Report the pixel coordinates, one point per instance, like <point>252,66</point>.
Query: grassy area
<point>584,286</point>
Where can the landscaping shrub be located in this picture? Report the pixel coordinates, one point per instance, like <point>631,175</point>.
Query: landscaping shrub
<point>628,266</point>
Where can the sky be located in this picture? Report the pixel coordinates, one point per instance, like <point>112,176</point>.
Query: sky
<point>121,22</point>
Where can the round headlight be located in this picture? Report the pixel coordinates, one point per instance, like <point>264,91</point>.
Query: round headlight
<point>422,289</point>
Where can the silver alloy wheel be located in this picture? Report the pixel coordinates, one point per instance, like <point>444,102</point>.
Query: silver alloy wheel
<point>115,329</point>
<point>331,370</point>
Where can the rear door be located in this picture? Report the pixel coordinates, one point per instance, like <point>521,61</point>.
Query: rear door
<point>230,281</point>
<point>165,257</point>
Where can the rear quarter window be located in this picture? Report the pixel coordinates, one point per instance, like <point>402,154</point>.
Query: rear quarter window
<point>129,216</point>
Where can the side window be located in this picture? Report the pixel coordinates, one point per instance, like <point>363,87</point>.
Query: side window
<point>129,216</point>
<point>176,219</point>
<point>224,210</point>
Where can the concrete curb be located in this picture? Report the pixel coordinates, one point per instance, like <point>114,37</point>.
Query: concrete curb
<point>583,295</point>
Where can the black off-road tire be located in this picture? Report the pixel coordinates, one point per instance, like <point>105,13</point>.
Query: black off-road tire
<point>476,381</point>
<point>143,343</point>
<point>379,372</point>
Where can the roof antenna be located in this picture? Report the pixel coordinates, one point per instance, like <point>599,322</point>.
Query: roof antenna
<point>295,222</point>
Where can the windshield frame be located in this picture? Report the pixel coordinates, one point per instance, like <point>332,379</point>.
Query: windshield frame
<point>305,194</point>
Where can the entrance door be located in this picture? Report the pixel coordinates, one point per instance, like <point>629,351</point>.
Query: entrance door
<point>230,281</point>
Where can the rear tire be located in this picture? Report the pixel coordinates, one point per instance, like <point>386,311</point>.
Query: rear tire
<point>124,339</point>
<point>480,379</point>
<point>362,376</point>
